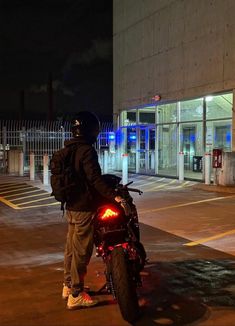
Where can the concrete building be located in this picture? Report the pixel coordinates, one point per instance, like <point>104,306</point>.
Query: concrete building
<point>174,81</point>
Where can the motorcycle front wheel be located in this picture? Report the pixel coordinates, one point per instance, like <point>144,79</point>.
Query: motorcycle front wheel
<point>124,286</point>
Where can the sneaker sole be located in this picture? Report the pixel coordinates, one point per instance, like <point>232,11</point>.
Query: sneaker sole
<point>86,289</point>
<point>82,307</point>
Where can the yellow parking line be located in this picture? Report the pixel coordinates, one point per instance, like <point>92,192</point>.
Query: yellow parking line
<point>148,183</point>
<point>16,189</point>
<point>33,201</point>
<point>7,183</point>
<point>182,205</point>
<point>22,193</point>
<point>43,194</point>
<point>11,185</point>
<point>161,186</point>
<point>8,203</point>
<point>180,186</point>
<point>200,241</point>
<point>165,184</point>
<point>42,205</point>
<point>190,184</point>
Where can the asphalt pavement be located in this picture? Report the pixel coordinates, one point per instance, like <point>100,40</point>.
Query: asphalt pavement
<point>188,231</point>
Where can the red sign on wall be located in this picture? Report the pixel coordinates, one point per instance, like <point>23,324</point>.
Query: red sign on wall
<point>217,158</point>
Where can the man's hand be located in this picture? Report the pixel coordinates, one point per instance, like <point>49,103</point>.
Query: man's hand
<point>118,199</point>
<point>124,205</point>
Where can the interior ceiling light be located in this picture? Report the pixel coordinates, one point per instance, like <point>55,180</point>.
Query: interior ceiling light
<point>209,98</point>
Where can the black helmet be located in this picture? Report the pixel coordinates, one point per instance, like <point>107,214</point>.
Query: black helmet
<point>86,124</point>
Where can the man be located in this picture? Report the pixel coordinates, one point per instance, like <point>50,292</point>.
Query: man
<point>81,208</point>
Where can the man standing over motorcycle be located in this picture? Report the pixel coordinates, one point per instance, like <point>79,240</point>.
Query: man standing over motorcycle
<point>80,208</point>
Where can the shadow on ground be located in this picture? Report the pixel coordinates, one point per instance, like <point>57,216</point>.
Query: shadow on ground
<point>180,283</point>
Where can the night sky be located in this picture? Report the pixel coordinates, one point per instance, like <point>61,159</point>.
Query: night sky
<point>68,42</point>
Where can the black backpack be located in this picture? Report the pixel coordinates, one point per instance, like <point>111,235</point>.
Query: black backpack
<point>63,176</point>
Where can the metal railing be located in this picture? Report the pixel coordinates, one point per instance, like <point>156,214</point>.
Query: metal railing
<point>39,137</point>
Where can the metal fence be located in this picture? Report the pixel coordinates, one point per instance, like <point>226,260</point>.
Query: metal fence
<point>39,137</point>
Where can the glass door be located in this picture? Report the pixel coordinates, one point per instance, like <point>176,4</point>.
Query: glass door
<point>189,139</point>
<point>131,148</point>
<point>167,149</point>
<point>146,150</point>
<point>191,144</point>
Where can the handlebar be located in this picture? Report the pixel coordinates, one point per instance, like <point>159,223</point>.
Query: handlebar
<point>129,183</point>
<point>131,189</point>
<point>135,190</point>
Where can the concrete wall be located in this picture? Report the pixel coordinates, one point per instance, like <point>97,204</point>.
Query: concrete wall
<point>175,48</point>
<point>226,175</point>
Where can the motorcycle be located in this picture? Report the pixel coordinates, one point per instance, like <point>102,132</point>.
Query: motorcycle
<point>117,241</point>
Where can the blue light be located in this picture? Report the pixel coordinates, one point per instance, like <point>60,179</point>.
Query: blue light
<point>111,136</point>
<point>119,137</point>
<point>228,136</point>
<point>192,138</point>
<point>132,137</point>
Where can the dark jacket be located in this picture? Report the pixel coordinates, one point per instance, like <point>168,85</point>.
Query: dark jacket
<point>90,185</point>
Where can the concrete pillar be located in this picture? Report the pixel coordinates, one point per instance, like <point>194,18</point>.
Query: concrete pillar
<point>156,149</point>
<point>45,169</point>
<point>106,158</point>
<point>207,165</point>
<point>31,166</point>
<point>21,163</point>
<point>181,166</point>
<point>152,165</point>
<point>124,169</point>
<point>226,174</point>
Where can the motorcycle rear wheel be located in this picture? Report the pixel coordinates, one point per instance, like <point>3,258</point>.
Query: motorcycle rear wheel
<point>124,286</point>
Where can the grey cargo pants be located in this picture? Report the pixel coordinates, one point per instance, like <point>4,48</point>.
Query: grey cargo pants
<point>78,248</point>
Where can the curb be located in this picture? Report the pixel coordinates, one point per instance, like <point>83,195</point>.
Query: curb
<point>214,188</point>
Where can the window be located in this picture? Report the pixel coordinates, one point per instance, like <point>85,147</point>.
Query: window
<point>219,106</point>
<point>191,110</point>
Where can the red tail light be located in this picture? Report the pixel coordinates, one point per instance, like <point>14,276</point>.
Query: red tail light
<point>108,213</point>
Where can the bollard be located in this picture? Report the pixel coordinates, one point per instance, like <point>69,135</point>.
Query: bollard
<point>152,163</point>
<point>31,166</point>
<point>112,161</point>
<point>181,166</point>
<point>21,163</point>
<point>124,169</point>
<point>207,166</point>
<point>45,170</point>
<point>101,161</point>
<point>106,157</point>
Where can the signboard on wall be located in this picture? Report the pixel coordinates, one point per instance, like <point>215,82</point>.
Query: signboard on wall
<point>209,136</point>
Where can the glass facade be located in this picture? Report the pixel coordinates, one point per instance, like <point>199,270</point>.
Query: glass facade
<point>147,117</point>
<point>191,110</point>
<point>167,149</point>
<point>154,135</point>
<point>167,113</point>
<point>219,106</point>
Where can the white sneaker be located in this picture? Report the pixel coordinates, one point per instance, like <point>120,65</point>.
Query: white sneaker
<point>82,300</point>
<point>66,292</point>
